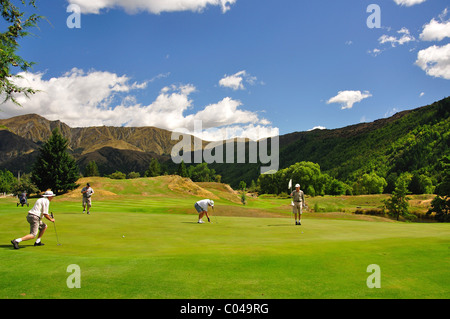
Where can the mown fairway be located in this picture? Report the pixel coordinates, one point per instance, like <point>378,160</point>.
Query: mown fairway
<point>135,246</point>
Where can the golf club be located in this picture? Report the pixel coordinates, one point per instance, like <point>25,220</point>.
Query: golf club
<point>54,224</point>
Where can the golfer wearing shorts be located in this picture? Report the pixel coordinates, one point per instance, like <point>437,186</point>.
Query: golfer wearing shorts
<point>87,193</point>
<point>34,217</point>
<point>202,209</point>
<point>298,199</point>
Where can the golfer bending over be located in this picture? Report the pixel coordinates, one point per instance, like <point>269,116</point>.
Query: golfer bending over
<point>202,209</point>
<point>299,202</point>
<point>34,219</point>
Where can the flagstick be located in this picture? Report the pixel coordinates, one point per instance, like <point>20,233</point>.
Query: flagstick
<point>290,187</point>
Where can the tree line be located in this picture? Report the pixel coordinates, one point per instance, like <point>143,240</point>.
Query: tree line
<point>316,183</point>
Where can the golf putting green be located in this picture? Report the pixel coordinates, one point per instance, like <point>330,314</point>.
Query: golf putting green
<point>150,254</point>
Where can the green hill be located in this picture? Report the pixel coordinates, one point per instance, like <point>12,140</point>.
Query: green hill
<point>410,141</point>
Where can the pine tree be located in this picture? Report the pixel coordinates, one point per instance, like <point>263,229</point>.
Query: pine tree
<point>154,168</point>
<point>7,181</point>
<point>91,169</point>
<point>441,203</point>
<point>397,205</point>
<point>182,171</point>
<point>55,169</point>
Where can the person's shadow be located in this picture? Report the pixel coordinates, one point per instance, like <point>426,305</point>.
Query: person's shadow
<point>10,246</point>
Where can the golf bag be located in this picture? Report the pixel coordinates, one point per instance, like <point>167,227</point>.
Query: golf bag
<point>23,200</point>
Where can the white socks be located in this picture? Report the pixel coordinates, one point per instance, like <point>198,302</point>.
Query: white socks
<point>20,239</point>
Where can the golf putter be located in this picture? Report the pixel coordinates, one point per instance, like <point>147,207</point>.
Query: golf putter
<point>54,224</point>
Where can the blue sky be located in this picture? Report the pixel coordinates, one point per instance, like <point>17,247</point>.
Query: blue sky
<point>248,67</point>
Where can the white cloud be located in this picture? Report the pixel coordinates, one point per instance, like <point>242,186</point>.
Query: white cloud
<point>233,81</point>
<point>408,3</point>
<point>75,95</point>
<point>348,98</point>
<point>159,76</point>
<point>436,30</point>
<point>391,112</point>
<point>82,99</point>
<point>375,52</point>
<point>363,119</point>
<point>405,38</point>
<point>152,6</point>
<point>236,81</point>
<point>252,131</point>
<point>317,128</point>
<point>225,113</point>
<point>435,61</point>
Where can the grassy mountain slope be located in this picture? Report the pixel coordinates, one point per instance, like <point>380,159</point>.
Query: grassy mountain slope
<point>412,140</point>
<point>408,141</point>
<point>126,149</point>
<point>89,139</point>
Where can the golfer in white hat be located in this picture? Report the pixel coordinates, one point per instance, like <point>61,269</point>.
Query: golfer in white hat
<point>298,199</point>
<point>34,216</point>
<point>87,194</point>
<point>202,209</point>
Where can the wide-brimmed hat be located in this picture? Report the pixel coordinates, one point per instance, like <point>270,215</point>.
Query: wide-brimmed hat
<point>48,194</point>
<point>211,202</point>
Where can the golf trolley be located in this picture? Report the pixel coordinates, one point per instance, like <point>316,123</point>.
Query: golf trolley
<point>23,200</point>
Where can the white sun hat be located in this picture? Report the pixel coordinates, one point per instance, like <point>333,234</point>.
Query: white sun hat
<point>48,194</point>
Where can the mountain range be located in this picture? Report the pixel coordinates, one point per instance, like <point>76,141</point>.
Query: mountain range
<point>412,140</point>
<point>125,149</point>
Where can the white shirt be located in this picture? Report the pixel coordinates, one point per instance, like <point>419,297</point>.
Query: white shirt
<point>89,192</point>
<point>40,207</point>
<point>204,204</point>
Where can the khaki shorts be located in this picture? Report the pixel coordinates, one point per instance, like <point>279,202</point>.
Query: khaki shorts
<point>36,224</point>
<point>297,208</point>
<point>87,201</point>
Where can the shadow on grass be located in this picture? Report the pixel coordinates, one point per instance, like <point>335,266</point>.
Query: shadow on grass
<point>10,246</point>
<point>279,225</point>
